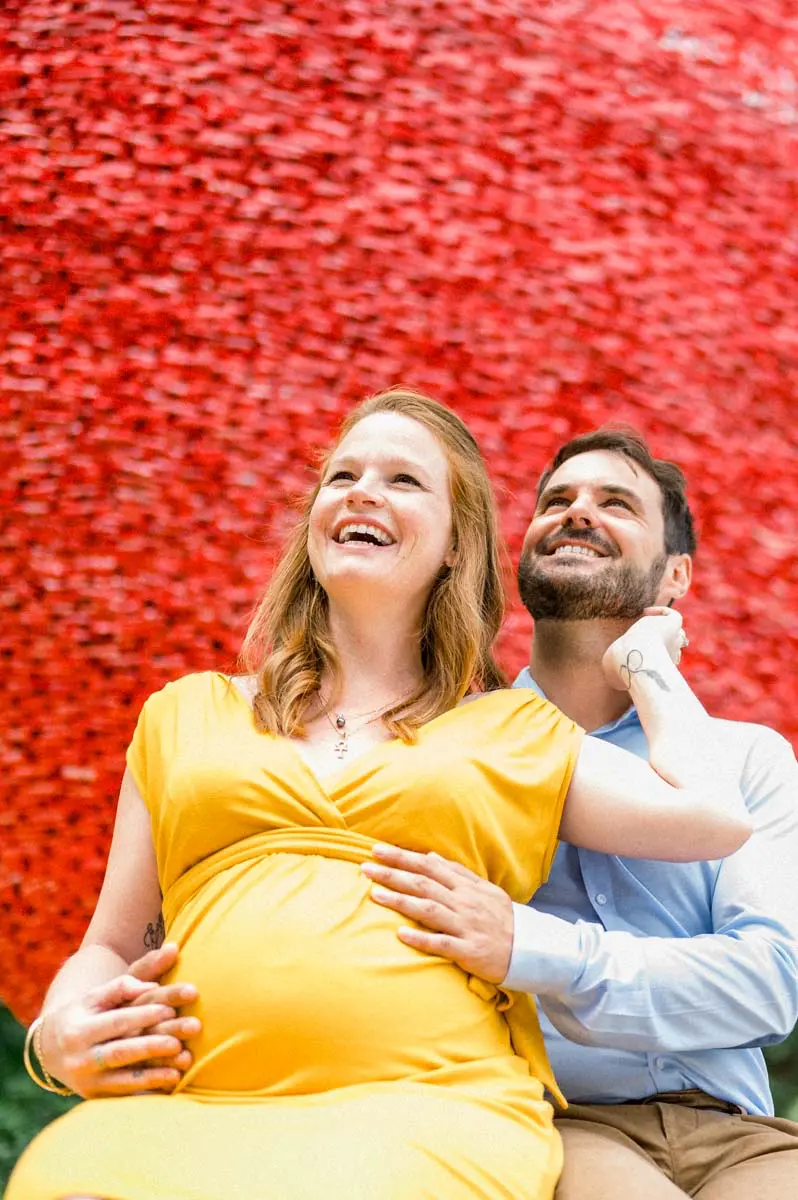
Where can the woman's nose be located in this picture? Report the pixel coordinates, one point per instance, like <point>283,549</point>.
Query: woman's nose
<point>365,490</point>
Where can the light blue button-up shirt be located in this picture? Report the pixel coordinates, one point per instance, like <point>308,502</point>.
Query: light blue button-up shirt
<point>657,977</point>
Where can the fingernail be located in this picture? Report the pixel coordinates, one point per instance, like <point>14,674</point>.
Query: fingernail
<point>381,848</point>
<point>379,893</point>
<point>367,868</point>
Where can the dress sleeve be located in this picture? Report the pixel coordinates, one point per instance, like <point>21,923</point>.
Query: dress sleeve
<point>144,758</point>
<point>543,747</point>
<point>563,742</point>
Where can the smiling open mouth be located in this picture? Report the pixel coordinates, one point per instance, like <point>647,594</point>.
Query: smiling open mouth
<point>371,535</point>
<point>569,550</point>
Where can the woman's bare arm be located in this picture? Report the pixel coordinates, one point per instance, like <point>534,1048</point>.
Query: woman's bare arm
<point>105,1013</point>
<point>617,804</point>
<point>128,910</point>
<point>687,805</point>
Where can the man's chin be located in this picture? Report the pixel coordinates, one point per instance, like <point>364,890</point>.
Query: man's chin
<point>600,589</point>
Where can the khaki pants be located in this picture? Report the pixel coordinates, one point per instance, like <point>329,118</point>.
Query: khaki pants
<point>674,1145</point>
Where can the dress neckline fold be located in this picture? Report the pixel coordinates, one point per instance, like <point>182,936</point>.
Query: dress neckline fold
<point>332,782</point>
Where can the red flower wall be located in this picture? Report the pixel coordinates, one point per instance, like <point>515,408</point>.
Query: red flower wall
<point>223,223</point>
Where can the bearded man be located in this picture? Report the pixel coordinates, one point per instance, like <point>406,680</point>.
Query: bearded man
<point>659,983</point>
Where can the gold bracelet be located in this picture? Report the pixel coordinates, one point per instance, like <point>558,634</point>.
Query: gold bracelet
<point>33,1039</point>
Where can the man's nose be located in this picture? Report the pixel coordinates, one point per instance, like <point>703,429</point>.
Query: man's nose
<point>582,512</point>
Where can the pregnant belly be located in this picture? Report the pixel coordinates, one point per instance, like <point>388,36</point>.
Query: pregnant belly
<point>304,986</point>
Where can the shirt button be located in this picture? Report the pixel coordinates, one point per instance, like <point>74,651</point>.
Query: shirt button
<point>601,898</point>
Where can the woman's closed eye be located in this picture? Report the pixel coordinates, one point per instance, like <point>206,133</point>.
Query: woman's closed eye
<point>404,477</point>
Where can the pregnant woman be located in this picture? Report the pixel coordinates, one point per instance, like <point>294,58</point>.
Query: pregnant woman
<point>326,1057</point>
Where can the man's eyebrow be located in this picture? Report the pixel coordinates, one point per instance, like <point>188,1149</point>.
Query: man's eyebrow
<point>608,489</point>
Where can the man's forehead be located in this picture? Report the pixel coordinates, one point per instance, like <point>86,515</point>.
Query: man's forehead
<point>604,469</point>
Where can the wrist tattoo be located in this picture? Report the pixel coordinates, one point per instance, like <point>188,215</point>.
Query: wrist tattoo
<point>155,934</point>
<point>634,666</point>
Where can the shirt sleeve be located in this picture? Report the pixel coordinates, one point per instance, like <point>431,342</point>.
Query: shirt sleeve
<point>736,986</point>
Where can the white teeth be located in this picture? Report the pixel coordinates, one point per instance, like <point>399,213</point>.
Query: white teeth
<point>349,531</point>
<point>561,550</point>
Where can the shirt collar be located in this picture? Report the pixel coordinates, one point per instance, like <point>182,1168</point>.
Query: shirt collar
<point>524,679</point>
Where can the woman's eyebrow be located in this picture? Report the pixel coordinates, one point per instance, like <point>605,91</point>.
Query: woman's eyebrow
<point>389,462</point>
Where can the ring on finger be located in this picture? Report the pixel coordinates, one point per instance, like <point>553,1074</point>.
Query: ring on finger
<point>98,1055</point>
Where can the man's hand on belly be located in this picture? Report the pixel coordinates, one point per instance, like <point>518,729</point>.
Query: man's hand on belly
<point>467,919</point>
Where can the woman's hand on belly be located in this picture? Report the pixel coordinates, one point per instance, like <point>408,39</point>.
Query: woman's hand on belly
<point>125,1036</point>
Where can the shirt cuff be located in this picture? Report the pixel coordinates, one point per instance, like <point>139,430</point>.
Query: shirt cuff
<point>547,953</point>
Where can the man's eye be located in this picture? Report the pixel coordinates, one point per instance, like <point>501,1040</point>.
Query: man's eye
<point>336,475</point>
<point>617,500</point>
<point>555,501</point>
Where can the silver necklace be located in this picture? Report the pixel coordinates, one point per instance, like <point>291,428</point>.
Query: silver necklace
<point>341,727</point>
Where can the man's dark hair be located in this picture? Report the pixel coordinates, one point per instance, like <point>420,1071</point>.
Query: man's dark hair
<point>680,535</point>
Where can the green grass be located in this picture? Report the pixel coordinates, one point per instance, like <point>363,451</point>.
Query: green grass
<point>783,1069</point>
<point>24,1108</point>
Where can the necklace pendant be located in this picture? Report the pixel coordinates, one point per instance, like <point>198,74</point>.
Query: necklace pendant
<point>340,721</point>
<point>341,747</point>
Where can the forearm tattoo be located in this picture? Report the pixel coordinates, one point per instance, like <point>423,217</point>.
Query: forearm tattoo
<point>634,666</point>
<point>155,934</point>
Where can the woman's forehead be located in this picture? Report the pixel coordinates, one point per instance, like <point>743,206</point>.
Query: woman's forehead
<point>387,436</point>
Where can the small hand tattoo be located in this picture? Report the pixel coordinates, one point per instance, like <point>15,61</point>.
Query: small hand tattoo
<point>155,934</point>
<point>634,666</point>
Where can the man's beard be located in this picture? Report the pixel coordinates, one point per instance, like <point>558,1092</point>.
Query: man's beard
<point>617,591</point>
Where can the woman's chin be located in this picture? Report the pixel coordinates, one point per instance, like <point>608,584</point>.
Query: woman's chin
<point>384,587</point>
<point>351,581</point>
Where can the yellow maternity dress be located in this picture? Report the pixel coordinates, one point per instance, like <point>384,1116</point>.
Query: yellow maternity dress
<point>335,1063</point>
